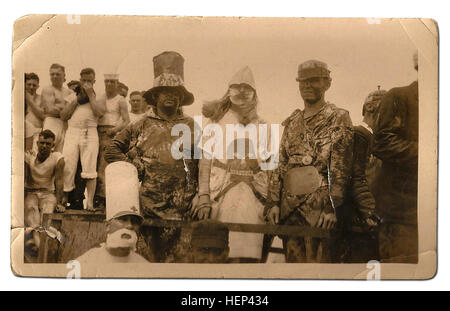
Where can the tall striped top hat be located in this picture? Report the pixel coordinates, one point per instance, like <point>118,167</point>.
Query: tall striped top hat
<point>312,69</point>
<point>168,70</point>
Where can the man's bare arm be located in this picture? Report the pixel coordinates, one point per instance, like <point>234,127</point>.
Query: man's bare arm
<point>34,106</point>
<point>125,117</point>
<point>68,110</point>
<point>98,106</point>
<point>48,103</point>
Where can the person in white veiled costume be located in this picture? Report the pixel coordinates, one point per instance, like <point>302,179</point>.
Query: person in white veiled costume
<point>234,190</point>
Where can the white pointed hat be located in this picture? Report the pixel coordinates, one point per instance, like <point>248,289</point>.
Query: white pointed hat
<point>122,190</point>
<point>245,75</point>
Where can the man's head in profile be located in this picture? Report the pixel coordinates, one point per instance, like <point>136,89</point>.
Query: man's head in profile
<point>122,89</point>
<point>209,242</point>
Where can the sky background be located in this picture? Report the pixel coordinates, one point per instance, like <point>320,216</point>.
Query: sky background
<point>360,55</point>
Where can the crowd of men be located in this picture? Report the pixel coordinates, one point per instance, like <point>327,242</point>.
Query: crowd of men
<point>331,175</point>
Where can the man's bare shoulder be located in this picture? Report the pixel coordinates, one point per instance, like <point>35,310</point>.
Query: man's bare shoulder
<point>66,91</point>
<point>101,97</point>
<point>47,89</point>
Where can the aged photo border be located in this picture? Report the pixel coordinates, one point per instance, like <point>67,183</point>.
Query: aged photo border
<point>424,34</point>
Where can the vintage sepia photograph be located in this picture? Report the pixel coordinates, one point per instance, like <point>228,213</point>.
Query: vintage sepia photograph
<point>224,147</point>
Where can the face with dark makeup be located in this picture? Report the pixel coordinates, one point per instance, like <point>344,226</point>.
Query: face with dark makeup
<point>313,89</point>
<point>168,101</point>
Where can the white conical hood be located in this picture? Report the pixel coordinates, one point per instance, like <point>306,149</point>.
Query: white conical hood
<point>245,75</point>
<point>122,190</point>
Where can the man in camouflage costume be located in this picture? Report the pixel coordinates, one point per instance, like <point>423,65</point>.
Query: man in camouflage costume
<point>168,185</point>
<point>316,141</point>
<point>396,144</point>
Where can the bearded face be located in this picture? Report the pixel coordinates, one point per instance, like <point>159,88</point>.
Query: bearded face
<point>241,94</point>
<point>121,236</point>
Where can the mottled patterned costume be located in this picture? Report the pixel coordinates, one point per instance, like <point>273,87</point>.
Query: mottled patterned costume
<point>324,141</point>
<point>168,185</point>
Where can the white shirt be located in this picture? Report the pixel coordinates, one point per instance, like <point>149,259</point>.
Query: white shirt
<point>83,116</point>
<point>112,115</point>
<point>134,117</point>
<point>42,174</point>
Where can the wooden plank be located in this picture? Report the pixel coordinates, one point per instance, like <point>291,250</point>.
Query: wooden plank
<point>79,215</point>
<point>83,230</point>
<point>80,236</point>
<point>256,228</point>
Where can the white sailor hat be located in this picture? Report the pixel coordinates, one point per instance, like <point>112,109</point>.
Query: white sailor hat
<point>111,76</point>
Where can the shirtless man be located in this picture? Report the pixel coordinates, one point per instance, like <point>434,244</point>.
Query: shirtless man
<point>113,121</point>
<point>54,99</point>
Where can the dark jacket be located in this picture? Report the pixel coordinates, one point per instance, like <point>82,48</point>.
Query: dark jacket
<point>396,144</point>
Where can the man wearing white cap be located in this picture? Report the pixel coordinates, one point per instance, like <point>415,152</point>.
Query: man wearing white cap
<point>122,218</point>
<point>113,121</point>
<point>309,184</point>
<point>81,140</point>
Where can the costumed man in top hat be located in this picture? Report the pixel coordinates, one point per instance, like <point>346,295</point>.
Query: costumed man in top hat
<point>396,144</point>
<point>122,218</point>
<point>315,158</point>
<point>168,184</point>
<point>232,185</point>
